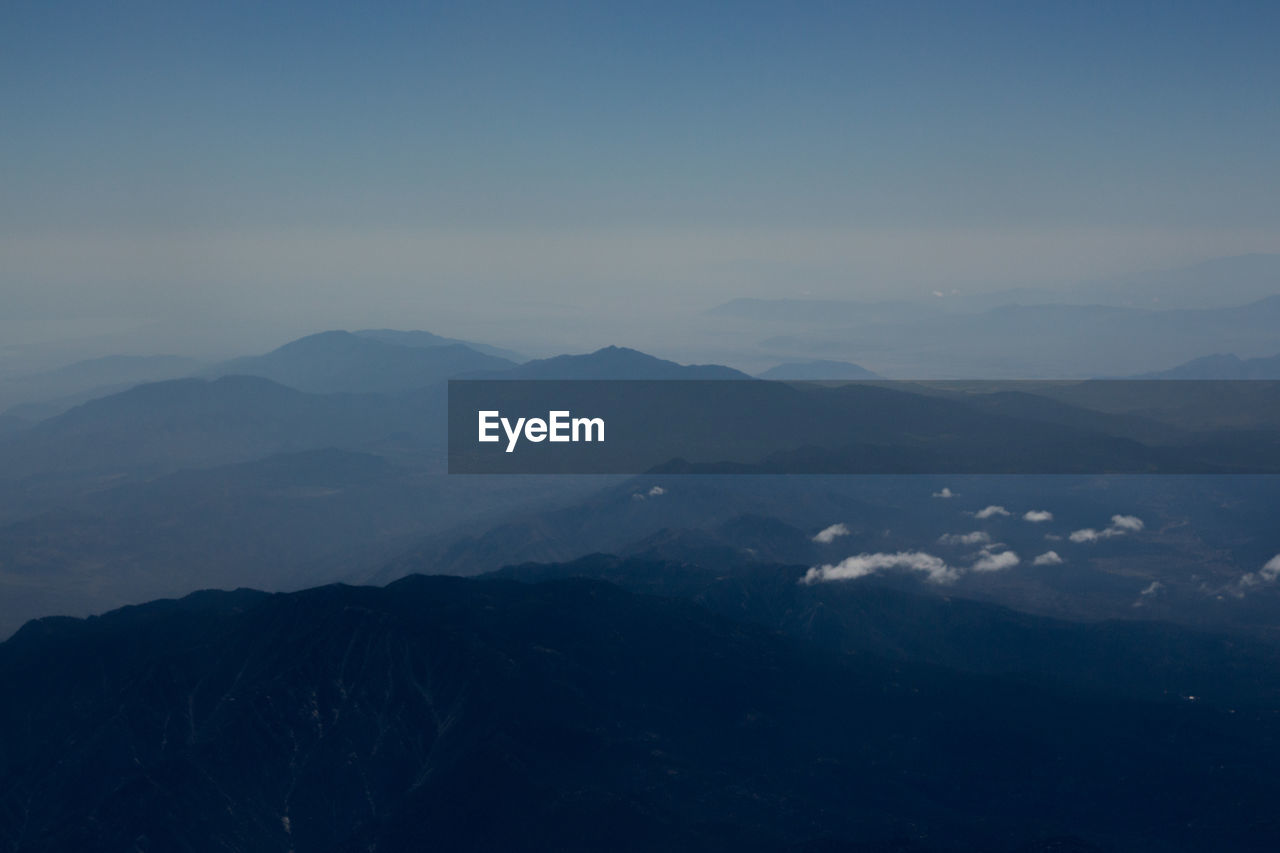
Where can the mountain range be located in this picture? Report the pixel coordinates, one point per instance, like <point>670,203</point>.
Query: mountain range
<point>1218,367</point>
<point>574,715</point>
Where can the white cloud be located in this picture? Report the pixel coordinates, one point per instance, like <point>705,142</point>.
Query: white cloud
<point>988,562</point>
<point>1035,516</point>
<point>656,491</point>
<point>1048,558</point>
<point>990,511</point>
<point>862,565</point>
<point>977,537</point>
<point>944,493</point>
<point>1265,575</point>
<point>1120,525</point>
<point>1148,591</point>
<point>1053,537</point>
<point>828,534</point>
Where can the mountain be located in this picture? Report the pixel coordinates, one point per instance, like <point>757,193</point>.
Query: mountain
<point>427,339</point>
<point>572,715</point>
<point>75,383</point>
<point>1214,283</point>
<point>1201,536</point>
<point>1222,367</point>
<point>611,363</point>
<point>817,370</point>
<point>286,521</point>
<point>191,423</point>
<point>820,312</point>
<point>1147,660</point>
<point>333,362</point>
<point>1040,341</point>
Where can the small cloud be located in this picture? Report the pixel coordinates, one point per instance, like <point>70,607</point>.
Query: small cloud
<point>1150,590</point>
<point>1120,525</point>
<point>939,294</point>
<point>1048,558</point>
<point>977,537</point>
<point>862,565</point>
<point>944,493</point>
<point>637,496</point>
<point>988,512</point>
<point>1053,537</point>
<point>988,562</point>
<point>1035,516</point>
<point>1265,575</point>
<point>828,534</point>
<point>656,491</point>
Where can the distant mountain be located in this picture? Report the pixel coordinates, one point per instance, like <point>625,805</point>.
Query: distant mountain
<point>572,715</point>
<point>612,363</point>
<point>192,423</point>
<point>1038,341</point>
<point>96,377</point>
<point>285,521</point>
<point>825,312</point>
<point>1222,367</point>
<point>331,362</point>
<point>1215,283</point>
<point>427,339</point>
<point>817,370</point>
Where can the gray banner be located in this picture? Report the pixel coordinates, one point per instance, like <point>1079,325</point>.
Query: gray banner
<point>759,427</point>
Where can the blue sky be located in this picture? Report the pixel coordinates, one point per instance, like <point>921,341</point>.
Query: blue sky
<point>251,138</point>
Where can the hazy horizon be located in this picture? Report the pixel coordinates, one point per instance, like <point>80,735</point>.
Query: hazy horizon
<point>226,177</point>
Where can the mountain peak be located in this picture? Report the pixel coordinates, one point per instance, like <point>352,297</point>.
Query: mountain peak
<point>615,362</point>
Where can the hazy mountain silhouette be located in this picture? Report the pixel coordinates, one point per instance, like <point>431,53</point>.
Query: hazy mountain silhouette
<point>817,370</point>
<point>427,339</point>
<point>821,312</point>
<point>480,715</point>
<point>50,392</point>
<point>1032,341</point>
<point>1213,283</point>
<point>189,423</point>
<point>1222,367</point>
<point>611,363</point>
<point>331,362</point>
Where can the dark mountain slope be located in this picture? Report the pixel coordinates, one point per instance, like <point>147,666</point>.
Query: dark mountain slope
<point>481,715</point>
